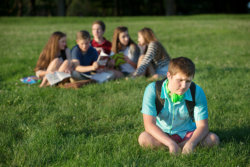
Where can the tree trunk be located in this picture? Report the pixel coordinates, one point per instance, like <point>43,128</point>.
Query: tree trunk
<point>32,8</point>
<point>20,8</point>
<point>61,7</point>
<point>116,7</point>
<point>170,7</point>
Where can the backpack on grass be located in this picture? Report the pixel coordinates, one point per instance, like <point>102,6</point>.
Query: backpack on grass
<point>159,102</point>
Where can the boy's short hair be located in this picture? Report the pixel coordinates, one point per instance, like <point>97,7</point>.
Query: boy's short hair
<point>183,65</point>
<point>83,35</point>
<point>101,23</point>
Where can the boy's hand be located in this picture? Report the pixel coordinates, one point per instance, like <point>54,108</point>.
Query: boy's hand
<point>99,49</point>
<point>188,148</point>
<point>95,66</point>
<point>174,148</point>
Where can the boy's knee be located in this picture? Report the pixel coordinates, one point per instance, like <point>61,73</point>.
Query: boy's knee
<point>212,140</point>
<point>215,139</point>
<point>142,139</point>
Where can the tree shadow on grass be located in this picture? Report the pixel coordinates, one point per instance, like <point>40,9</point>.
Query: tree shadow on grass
<point>238,134</point>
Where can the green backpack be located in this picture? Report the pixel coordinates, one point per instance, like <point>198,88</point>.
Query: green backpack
<point>159,102</point>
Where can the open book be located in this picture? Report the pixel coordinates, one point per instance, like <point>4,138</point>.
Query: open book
<point>101,77</point>
<point>56,77</point>
<point>119,59</point>
<point>102,59</point>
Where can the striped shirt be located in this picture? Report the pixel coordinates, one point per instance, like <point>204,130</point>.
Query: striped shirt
<point>156,55</point>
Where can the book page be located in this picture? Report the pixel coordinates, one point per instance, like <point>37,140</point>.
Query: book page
<point>62,75</point>
<point>102,77</point>
<point>102,59</point>
<point>52,78</point>
<point>86,75</point>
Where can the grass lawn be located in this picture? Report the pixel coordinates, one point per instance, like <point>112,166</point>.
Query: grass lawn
<point>98,125</point>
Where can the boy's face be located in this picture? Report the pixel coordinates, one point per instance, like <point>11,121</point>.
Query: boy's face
<point>179,83</point>
<point>83,44</point>
<point>97,31</point>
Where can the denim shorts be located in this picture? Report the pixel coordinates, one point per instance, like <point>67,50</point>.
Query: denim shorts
<point>79,76</point>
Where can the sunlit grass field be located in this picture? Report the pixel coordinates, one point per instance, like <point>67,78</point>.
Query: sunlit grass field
<point>98,125</point>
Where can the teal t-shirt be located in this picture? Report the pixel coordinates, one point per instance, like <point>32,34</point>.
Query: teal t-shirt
<point>174,117</point>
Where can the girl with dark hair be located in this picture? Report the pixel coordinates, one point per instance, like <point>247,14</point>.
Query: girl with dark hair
<point>123,44</point>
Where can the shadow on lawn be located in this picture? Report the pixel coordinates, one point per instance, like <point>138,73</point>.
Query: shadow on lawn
<point>238,134</point>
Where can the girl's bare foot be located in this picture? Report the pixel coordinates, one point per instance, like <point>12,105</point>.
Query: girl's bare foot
<point>44,83</point>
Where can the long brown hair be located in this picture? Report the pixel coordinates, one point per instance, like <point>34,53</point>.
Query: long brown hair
<point>116,44</point>
<point>50,51</point>
<point>148,35</point>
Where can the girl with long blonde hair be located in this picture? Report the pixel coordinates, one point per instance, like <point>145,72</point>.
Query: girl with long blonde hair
<point>154,56</point>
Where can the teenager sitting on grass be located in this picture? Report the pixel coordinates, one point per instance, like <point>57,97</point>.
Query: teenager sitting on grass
<point>129,52</point>
<point>99,42</point>
<point>54,57</point>
<point>154,58</point>
<point>84,56</point>
<point>173,124</point>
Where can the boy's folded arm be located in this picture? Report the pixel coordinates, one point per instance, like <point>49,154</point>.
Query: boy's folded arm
<point>80,68</point>
<point>155,131</point>
<point>75,63</point>
<point>84,68</point>
<point>200,132</point>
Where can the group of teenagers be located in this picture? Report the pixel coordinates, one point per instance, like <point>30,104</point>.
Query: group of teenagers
<point>149,57</point>
<point>175,111</point>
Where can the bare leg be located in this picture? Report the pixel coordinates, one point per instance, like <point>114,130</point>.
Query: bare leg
<point>210,140</point>
<point>64,66</point>
<point>146,140</point>
<point>53,66</point>
<point>44,82</point>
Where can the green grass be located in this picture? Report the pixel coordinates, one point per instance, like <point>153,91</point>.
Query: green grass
<point>98,125</point>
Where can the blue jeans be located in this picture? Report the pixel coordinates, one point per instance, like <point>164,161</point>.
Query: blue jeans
<point>78,75</point>
<point>162,71</point>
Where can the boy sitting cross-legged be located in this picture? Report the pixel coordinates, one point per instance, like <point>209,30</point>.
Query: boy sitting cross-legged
<point>180,120</point>
<point>84,56</point>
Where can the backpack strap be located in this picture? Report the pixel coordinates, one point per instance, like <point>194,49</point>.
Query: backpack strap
<point>159,102</point>
<point>190,104</point>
